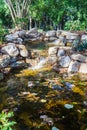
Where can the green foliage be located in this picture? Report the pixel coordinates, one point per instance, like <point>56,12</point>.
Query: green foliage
<point>3,32</point>
<point>5,122</point>
<point>75,25</point>
<point>45,14</point>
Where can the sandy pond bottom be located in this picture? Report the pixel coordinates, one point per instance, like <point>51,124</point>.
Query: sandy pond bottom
<point>33,95</point>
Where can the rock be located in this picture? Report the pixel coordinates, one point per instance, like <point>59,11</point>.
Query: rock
<point>68,106</point>
<point>51,33</point>
<point>83,37</point>
<point>69,85</point>
<point>56,42</point>
<point>7,70</point>
<point>21,33</point>
<point>58,33</point>
<point>54,128</point>
<point>63,39</point>
<point>4,61</point>
<point>10,49</point>
<point>23,51</point>
<point>57,87</point>
<point>52,39</point>
<point>1,76</point>
<point>74,66</point>
<point>19,40</point>
<point>72,36</point>
<point>64,61</point>
<point>52,51</point>
<point>18,64</point>
<point>83,68</point>
<point>79,57</point>
<point>33,30</point>
<point>11,37</point>
<point>43,117</point>
<point>61,52</point>
<point>31,84</point>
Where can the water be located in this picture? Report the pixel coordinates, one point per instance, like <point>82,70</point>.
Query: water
<point>41,64</point>
<point>48,96</point>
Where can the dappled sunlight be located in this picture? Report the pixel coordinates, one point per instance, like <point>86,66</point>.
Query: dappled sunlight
<point>31,72</point>
<point>78,90</point>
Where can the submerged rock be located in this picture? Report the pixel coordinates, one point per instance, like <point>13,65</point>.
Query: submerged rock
<point>54,128</point>
<point>69,85</point>
<point>68,106</point>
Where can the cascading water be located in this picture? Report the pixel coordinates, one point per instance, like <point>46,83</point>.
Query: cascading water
<point>41,64</point>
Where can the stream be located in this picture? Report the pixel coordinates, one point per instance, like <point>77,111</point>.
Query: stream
<point>43,99</point>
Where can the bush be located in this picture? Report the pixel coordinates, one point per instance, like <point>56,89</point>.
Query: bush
<point>75,25</point>
<point>3,32</point>
<point>5,122</point>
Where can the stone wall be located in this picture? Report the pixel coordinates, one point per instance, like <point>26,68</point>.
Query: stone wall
<point>58,37</point>
<point>14,54</point>
<point>66,58</point>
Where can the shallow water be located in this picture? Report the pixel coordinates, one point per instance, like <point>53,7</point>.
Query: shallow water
<point>35,93</point>
<point>30,102</point>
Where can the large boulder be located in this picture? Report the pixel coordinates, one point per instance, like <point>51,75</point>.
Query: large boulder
<point>73,67</point>
<point>10,49</point>
<point>64,61</point>
<point>79,57</point>
<point>23,51</point>
<point>83,68</point>
<point>4,61</point>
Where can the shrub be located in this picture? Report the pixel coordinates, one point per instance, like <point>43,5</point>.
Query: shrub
<point>5,122</point>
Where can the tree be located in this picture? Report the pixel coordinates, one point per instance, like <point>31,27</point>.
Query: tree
<point>19,10</point>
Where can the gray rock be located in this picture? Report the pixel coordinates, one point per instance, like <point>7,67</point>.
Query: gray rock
<point>61,52</point>
<point>33,30</point>
<point>4,61</point>
<point>51,33</point>
<point>83,68</point>
<point>64,61</point>
<point>79,57</point>
<point>52,38</point>
<point>18,64</point>
<point>72,36</point>
<point>74,67</point>
<point>84,37</point>
<point>10,49</point>
<point>11,37</point>
<point>23,51</point>
<point>63,39</point>
<point>58,33</point>
<point>52,51</point>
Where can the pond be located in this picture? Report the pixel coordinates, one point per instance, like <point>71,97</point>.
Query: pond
<point>45,100</point>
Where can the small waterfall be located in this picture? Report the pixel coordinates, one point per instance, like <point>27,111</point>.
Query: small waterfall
<point>41,63</point>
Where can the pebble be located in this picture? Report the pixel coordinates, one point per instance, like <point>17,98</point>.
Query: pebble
<point>68,106</point>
